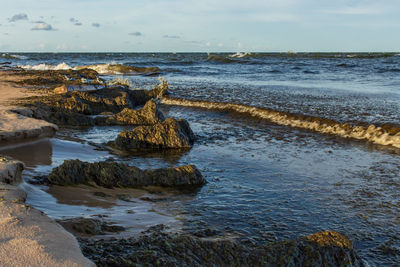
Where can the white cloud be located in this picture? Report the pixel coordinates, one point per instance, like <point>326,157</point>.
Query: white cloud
<point>43,27</point>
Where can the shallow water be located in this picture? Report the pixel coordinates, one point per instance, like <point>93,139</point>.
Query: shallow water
<point>266,181</point>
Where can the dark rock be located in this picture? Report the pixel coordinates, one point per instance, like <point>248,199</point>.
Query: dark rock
<point>148,115</point>
<point>60,77</point>
<point>157,248</point>
<point>73,107</point>
<point>171,133</point>
<point>85,226</point>
<point>112,174</point>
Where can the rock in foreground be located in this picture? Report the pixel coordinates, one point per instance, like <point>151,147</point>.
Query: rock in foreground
<point>161,249</point>
<point>171,133</point>
<point>112,174</point>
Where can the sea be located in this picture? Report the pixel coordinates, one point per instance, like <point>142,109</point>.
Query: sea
<point>290,144</point>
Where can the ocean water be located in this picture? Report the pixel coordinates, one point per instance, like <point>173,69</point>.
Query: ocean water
<point>270,177</point>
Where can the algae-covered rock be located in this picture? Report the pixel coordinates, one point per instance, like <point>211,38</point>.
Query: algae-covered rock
<point>157,248</point>
<point>112,174</point>
<point>89,227</point>
<point>148,115</point>
<point>171,133</point>
<point>75,107</point>
<point>60,77</point>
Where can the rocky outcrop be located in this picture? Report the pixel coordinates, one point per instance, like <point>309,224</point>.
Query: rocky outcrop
<point>148,115</point>
<point>74,108</point>
<point>171,133</point>
<point>60,77</point>
<point>157,248</point>
<point>112,174</point>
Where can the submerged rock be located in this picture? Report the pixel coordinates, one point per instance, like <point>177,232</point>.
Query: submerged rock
<point>112,174</point>
<point>85,226</point>
<point>171,133</point>
<point>148,115</point>
<point>158,248</point>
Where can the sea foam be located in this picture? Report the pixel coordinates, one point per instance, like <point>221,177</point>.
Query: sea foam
<point>388,136</point>
<point>105,69</point>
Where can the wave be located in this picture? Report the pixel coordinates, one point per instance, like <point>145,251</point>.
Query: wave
<point>241,54</point>
<point>61,66</point>
<point>388,135</point>
<point>8,56</point>
<point>388,70</point>
<point>344,65</point>
<point>105,69</point>
<point>112,69</point>
<point>219,59</point>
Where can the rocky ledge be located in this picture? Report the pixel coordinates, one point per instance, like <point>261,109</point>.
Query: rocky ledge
<point>15,127</point>
<point>158,248</point>
<point>112,174</point>
<point>76,108</point>
<point>170,133</point>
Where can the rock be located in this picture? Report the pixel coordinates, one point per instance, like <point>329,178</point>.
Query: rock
<point>15,127</point>
<point>112,174</point>
<point>10,170</point>
<point>148,115</point>
<point>72,107</point>
<point>156,248</point>
<point>61,89</point>
<point>61,77</point>
<point>85,226</point>
<point>171,133</point>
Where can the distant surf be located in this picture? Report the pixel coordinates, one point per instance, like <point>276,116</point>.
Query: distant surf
<point>104,69</point>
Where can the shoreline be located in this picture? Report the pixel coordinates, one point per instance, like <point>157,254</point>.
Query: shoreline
<point>29,237</point>
<point>208,244</point>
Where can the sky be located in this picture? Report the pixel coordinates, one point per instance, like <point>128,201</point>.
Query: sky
<point>199,25</point>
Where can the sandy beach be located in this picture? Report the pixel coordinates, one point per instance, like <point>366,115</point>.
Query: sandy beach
<point>27,236</point>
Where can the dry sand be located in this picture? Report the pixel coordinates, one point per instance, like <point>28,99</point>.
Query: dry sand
<point>27,236</point>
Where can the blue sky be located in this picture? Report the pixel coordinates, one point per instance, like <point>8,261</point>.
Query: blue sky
<point>199,25</point>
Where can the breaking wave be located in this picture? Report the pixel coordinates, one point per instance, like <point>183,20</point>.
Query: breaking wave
<point>241,54</point>
<point>388,135</point>
<point>61,66</point>
<point>8,56</point>
<point>105,69</point>
<point>111,69</point>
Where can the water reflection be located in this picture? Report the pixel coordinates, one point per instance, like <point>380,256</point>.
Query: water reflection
<point>32,154</point>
